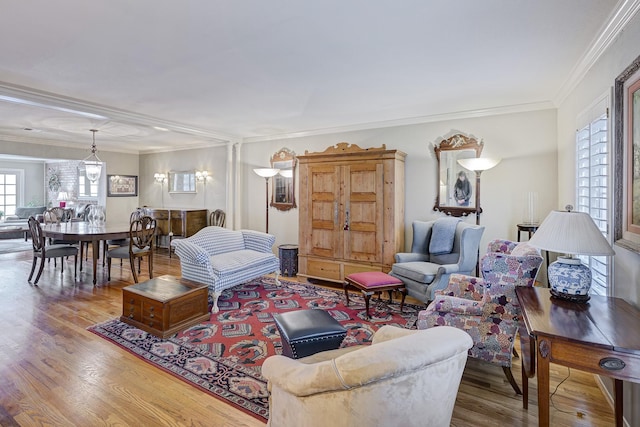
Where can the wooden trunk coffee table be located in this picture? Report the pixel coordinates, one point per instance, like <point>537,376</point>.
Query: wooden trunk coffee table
<point>165,305</point>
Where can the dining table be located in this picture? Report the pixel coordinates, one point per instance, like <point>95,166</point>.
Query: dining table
<point>83,231</point>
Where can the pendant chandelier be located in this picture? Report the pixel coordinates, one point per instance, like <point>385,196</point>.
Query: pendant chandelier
<point>92,164</point>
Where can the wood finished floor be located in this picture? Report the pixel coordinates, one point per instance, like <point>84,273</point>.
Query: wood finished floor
<point>54,372</point>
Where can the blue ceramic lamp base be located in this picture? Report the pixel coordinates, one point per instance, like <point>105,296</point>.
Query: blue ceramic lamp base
<point>570,279</point>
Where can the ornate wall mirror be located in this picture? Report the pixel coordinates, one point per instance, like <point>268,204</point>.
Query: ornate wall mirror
<point>284,183</point>
<point>456,185</point>
<point>182,182</point>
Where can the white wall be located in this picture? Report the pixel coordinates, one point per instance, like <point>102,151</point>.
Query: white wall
<point>525,141</point>
<point>212,196</point>
<point>34,172</point>
<point>600,79</point>
<point>118,208</point>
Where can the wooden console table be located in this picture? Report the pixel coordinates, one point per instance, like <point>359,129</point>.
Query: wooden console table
<point>601,337</point>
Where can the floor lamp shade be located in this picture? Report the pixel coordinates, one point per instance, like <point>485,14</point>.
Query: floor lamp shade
<point>571,233</point>
<point>266,173</point>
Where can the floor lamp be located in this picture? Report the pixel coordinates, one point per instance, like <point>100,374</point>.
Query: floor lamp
<point>266,173</point>
<point>478,165</point>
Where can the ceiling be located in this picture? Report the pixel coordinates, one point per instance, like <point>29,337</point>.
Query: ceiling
<point>156,75</point>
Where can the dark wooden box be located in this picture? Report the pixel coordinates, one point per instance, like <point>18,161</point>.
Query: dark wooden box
<point>165,305</point>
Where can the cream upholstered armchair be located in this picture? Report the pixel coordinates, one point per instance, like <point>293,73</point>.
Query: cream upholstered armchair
<point>405,377</point>
<point>487,308</point>
<point>423,271</point>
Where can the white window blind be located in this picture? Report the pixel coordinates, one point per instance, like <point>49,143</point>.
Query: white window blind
<point>592,157</point>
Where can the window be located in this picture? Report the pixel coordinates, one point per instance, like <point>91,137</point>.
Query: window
<point>592,158</point>
<point>8,191</point>
<point>86,188</point>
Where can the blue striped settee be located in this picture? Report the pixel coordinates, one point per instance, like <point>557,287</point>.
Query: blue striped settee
<point>224,258</point>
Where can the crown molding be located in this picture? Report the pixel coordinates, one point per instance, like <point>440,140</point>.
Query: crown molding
<point>28,96</point>
<point>206,144</point>
<point>619,18</point>
<point>459,115</point>
<point>55,143</point>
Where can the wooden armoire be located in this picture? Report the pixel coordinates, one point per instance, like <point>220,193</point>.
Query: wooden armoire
<point>351,211</point>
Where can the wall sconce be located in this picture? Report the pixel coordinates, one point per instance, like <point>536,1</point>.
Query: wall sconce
<point>203,177</point>
<point>160,178</point>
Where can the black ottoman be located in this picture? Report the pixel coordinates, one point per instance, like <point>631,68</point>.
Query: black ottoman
<point>306,332</point>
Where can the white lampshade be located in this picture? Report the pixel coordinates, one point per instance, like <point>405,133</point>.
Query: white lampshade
<point>571,232</point>
<point>478,163</point>
<point>202,176</point>
<point>266,172</point>
<point>287,173</point>
<point>63,196</point>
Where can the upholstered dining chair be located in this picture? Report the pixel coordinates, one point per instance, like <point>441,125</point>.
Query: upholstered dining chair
<point>217,218</point>
<point>44,251</point>
<point>487,308</point>
<point>141,239</point>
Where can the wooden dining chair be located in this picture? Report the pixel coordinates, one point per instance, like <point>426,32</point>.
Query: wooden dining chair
<point>43,251</point>
<point>57,215</point>
<point>106,244</point>
<point>141,238</point>
<point>217,217</point>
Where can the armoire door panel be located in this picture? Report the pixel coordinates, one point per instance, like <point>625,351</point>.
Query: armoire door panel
<point>362,243</point>
<point>323,243</point>
<point>325,200</point>
<point>364,201</point>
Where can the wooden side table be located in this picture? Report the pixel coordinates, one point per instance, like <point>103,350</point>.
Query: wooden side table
<point>527,228</point>
<point>288,255</point>
<point>601,336</point>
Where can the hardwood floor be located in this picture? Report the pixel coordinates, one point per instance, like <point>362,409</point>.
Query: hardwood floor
<point>54,372</point>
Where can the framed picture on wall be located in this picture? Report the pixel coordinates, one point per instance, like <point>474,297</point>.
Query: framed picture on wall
<point>627,157</point>
<point>122,185</point>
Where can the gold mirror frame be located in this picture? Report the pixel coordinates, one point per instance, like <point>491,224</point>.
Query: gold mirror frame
<point>283,184</point>
<point>448,152</point>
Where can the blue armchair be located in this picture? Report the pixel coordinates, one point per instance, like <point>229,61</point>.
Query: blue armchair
<point>423,273</point>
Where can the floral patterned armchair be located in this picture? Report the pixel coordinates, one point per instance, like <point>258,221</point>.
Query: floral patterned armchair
<point>487,308</point>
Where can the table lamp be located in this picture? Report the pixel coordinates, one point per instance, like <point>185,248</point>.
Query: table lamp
<point>63,197</point>
<point>572,233</point>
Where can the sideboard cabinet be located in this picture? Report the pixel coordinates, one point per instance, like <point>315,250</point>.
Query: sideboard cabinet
<point>351,211</point>
<point>178,221</point>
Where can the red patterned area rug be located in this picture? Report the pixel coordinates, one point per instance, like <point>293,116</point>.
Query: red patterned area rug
<point>223,357</point>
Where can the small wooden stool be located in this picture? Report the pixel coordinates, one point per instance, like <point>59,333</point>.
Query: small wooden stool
<point>371,282</point>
